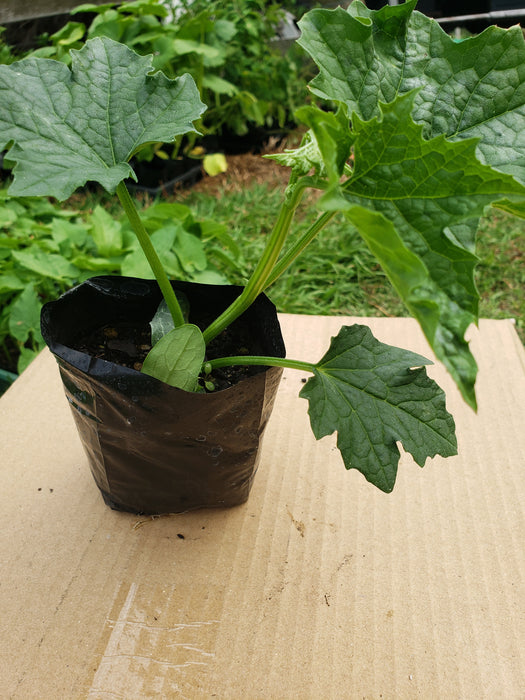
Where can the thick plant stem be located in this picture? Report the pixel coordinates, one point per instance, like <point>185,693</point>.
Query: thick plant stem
<point>151,254</point>
<point>263,360</point>
<point>258,281</point>
<point>298,247</point>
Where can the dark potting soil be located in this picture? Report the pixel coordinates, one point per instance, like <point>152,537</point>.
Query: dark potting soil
<point>127,344</point>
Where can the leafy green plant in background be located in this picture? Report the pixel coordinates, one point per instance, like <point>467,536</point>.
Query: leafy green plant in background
<point>46,249</point>
<point>426,136</point>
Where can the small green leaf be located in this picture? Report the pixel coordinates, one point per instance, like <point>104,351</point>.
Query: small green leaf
<point>368,392</point>
<point>190,252</point>
<point>162,323</point>
<point>46,264</point>
<point>136,265</point>
<point>333,138</point>
<point>177,358</point>
<point>67,234</point>
<point>10,283</point>
<point>24,317</point>
<point>219,85</point>
<point>94,264</point>
<point>106,232</point>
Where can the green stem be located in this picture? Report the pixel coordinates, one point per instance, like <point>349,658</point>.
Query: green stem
<point>258,281</point>
<point>298,247</point>
<point>150,253</point>
<point>267,361</point>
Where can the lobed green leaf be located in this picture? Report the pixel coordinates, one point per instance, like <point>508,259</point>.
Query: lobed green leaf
<point>71,126</point>
<point>439,131</point>
<point>423,189</point>
<point>472,88</point>
<point>368,392</point>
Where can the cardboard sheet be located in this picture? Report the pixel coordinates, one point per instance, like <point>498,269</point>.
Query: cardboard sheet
<point>319,587</point>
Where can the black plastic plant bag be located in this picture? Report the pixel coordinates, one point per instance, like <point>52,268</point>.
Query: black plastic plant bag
<point>153,448</point>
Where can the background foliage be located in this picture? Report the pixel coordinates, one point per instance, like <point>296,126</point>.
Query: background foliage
<point>46,249</point>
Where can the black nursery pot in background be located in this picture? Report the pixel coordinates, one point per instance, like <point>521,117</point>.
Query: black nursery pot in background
<point>153,448</point>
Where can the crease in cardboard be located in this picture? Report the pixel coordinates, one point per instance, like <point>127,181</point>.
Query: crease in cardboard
<point>132,656</point>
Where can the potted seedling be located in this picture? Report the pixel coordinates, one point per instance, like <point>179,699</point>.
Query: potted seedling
<point>425,134</point>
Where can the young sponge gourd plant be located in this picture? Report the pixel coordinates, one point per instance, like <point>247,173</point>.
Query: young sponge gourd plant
<point>426,134</point>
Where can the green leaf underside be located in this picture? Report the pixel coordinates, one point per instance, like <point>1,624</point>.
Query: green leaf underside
<point>419,187</point>
<point>368,393</point>
<point>177,357</point>
<point>71,126</point>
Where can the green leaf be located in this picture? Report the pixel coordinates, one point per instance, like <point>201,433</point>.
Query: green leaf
<point>10,283</point>
<point>94,264</point>
<point>7,217</point>
<point>46,264</point>
<point>136,265</point>
<point>69,34</point>
<point>190,252</point>
<point>326,147</point>
<point>185,46</point>
<point>162,323</point>
<point>71,126</point>
<point>145,7</point>
<point>332,136</point>
<point>157,215</point>
<point>106,232</point>
<point>474,88</point>
<point>368,392</point>
<point>360,60</point>
<point>24,317</point>
<point>219,85</point>
<point>67,235</point>
<point>92,7</point>
<point>177,358</point>
<point>423,189</point>
<point>209,276</point>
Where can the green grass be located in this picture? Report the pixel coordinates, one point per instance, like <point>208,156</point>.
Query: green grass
<point>337,274</point>
<point>501,272</point>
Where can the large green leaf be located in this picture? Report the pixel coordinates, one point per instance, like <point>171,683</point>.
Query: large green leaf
<point>71,126</point>
<point>370,394</point>
<point>423,189</point>
<point>472,88</point>
<point>419,185</point>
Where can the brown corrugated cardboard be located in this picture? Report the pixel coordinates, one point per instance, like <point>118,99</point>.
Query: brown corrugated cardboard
<point>319,587</point>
